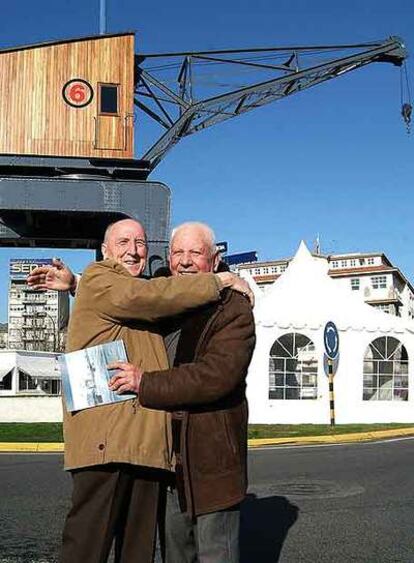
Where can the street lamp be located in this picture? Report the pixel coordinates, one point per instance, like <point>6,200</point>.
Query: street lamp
<point>55,340</point>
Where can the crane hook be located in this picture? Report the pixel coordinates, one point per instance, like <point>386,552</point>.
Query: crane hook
<point>406,107</point>
<point>406,111</point>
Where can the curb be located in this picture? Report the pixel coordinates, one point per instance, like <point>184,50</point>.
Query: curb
<point>58,447</point>
<point>335,439</point>
<point>30,447</point>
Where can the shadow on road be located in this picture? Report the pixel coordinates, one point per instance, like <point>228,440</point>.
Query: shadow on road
<point>264,526</point>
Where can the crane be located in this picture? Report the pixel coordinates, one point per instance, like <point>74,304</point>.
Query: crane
<point>67,165</point>
<point>183,91</point>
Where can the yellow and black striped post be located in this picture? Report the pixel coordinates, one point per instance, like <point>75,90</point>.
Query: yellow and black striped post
<point>331,391</point>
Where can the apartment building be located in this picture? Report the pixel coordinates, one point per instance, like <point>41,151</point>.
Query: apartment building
<point>371,276</point>
<point>36,319</point>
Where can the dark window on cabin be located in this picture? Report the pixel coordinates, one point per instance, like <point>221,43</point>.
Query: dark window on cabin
<point>108,98</point>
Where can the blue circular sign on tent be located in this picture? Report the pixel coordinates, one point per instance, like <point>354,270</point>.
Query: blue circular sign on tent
<point>331,340</point>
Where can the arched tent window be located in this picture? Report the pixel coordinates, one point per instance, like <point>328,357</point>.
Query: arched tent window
<point>385,370</point>
<point>293,368</point>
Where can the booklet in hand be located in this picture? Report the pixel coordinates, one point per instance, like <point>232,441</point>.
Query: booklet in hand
<point>85,376</point>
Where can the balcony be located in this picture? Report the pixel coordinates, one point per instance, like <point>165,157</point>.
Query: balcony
<point>33,314</point>
<point>34,335</point>
<point>382,295</point>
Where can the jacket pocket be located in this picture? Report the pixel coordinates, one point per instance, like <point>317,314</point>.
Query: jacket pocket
<point>212,444</point>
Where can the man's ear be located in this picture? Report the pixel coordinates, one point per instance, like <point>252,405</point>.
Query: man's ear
<point>216,260</point>
<point>103,250</point>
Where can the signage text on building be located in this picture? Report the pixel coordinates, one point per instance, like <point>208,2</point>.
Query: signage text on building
<point>20,268</point>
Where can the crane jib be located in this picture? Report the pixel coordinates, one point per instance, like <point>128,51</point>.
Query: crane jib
<point>190,107</point>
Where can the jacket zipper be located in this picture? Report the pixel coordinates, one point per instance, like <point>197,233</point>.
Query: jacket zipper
<point>186,468</point>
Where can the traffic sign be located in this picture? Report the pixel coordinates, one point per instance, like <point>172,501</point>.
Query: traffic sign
<point>331,340</point>
<point>241,258</point>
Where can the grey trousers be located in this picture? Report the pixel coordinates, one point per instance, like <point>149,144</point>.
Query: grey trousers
<point>209,538</point>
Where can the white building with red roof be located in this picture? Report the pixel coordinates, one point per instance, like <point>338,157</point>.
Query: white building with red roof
<point>371,276</point>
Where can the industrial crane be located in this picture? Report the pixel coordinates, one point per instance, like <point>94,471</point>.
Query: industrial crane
<point>178,91</point>
<point>67,165</point>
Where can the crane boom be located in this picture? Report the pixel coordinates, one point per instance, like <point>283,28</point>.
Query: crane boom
<point>192,104</point>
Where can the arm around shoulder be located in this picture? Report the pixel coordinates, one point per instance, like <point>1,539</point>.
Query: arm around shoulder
<point>121,297</point>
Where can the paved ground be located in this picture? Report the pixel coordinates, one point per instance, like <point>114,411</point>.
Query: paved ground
<point>332,504</point>
<point>306,504</point>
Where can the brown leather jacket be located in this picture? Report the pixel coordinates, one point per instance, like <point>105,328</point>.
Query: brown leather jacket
<point>206,392</point>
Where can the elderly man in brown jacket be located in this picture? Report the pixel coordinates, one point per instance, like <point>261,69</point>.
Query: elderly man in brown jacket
<point>210,350</point>
<point>116,453</point>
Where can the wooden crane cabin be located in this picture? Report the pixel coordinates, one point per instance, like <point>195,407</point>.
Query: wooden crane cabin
<point>68,98</point>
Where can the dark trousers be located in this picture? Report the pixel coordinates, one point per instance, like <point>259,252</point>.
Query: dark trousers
<point>112,502</point>
<point>209,538</point>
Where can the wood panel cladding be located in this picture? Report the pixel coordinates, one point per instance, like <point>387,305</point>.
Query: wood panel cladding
<point>40,116</point>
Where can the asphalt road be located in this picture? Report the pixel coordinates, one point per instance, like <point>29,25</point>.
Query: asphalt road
<point>335,503</point>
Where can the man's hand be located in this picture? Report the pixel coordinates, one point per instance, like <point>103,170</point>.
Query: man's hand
<point>228,279</point>
<point>56,276</point>
<point>127,379</point>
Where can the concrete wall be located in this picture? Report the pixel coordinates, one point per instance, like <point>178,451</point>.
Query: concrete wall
<point>30,409</point>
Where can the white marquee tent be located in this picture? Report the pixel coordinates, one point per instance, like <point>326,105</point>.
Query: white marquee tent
<point>29,387</point>
<point>287,384</point>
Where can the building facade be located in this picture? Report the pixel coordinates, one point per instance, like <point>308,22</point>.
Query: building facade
<point>3,335</point>
<point>369,275</point>
<point>36,319</point>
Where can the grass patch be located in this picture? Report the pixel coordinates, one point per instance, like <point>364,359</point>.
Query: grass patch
<point>293,430</point>
<point>52,431</point>
<point>31,432</point>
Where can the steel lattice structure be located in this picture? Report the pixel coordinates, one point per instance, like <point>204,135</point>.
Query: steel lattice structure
<point>177,92</point>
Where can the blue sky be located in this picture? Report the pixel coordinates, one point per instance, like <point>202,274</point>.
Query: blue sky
<point>333,160</point>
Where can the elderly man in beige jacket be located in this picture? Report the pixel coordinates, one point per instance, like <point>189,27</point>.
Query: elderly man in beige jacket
<point>117,453</point>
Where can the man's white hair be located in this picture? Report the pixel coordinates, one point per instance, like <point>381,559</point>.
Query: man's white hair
<point>208,233</point>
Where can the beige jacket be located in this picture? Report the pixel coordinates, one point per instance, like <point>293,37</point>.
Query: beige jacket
<point>112,305</point>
